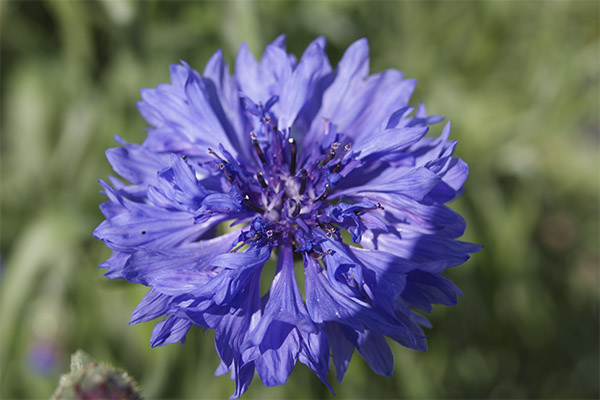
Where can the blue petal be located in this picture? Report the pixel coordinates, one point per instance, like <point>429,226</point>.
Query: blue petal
<point>453,171</point>
<point>182,113</point>
<point>228,286</point>
<point>341,347</point>
<point>285,305</point>
<point>274,366</point>
<point>177,271</point>
<point>276,64</point>
<point>384,94</point>
<point>181,184</point>
<point>421,248</point>
<point>135,163</point>
<point>368,103</point>
<point>384,274</point>
<point>171,330</point>
<point>222,92</point>
<point>242,375</point>
<point>376,352</point>
<point>248,75</point>
<point>424,289</point>
<point>326,304</point>
<point>352,69</point>
<point>314,354</point>
<point>115,264</point>
<point>279,42</point>
<point>415,184</point>
<point>276,337</point>
<point>201,112</point>
<point>153,305</point>
<point>420,216</point>
<point>232,330</point>
<point>145,226</point>
<point>384,142</point>
<point>298,89</point>
<point>220,203</point>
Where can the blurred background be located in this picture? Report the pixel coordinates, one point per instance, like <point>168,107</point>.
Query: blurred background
<point>520,81</point>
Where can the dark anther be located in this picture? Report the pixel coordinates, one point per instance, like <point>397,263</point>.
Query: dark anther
<point>257,148</point>
<point>251,205</point>
<point>261,180</point>
<point>337,167</point>
<point>293,208</point>
<point>227,175</point>
<point>294,149</point>
<point>267,119</point>
<point>335,146</point>
<point>325,193</point>
<point>303,178</point>
<point>329,157</point>
<point>214,153</point>
<point>379,206</point>
<point>318,256</point>
<point>296,210</point>
<point>143,232</point>
<point>184,157</point>
<point>328,229</point>
<point>347,147</point>
<point>269,233</point>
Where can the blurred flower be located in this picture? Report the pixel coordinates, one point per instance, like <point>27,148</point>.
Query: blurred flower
<point>296,154</point>
<point>43,356</point>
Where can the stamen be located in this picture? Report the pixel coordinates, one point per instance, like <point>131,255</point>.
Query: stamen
<point>303,178</point>
<point>325,193</point>
<point>294,149</point>
<point>261,180</point>
<point>329,229</point>
<point>337,167</point>
<point>215,154</point>
<point>293,207</point>
<point>221,166</point>
<point>328,158</point>
<point>332,150</point>
<point>318,256</point>
<point>257,148</point>
<point>251,205</point>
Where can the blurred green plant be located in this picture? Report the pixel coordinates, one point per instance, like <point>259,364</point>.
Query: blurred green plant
<point>520,81</point>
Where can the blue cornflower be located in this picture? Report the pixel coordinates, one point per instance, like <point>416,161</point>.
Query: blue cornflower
<point>328,171</point>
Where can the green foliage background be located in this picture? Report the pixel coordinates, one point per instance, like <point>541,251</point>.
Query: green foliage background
<point>520,81</point>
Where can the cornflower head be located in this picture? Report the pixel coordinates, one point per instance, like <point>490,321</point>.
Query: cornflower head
<point>327,170</point>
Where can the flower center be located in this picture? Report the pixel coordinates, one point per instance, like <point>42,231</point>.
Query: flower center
<point>288,189</point>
